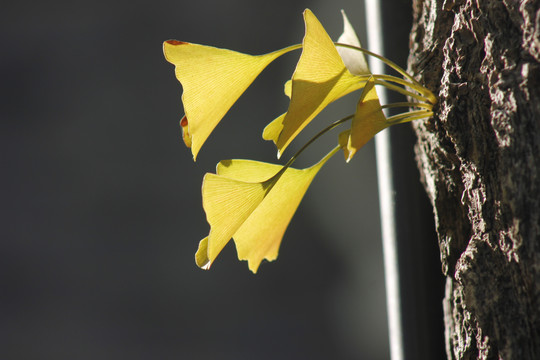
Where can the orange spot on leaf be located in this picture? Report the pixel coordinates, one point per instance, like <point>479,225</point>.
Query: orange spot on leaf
<point>175,42</point>
<point>183,122</point>
<point>186,136</point>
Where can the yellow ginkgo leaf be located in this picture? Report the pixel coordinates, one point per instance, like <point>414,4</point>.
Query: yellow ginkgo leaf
<point>354,60</point>
<point>368,120</point>
<point>212,79</point>
<point>273,129</point>
<point>287,89</point>
<point>252,202</point>
<point>228,203</point>
<point>201,256</point>
<point>319,79</point>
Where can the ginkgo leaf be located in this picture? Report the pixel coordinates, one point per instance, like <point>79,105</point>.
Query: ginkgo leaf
<point>287,88</point>
<point>273,129</point>
<point>228,203</point>
<point>201,256</point>
<point>252,202</point>
<point>368,120</point>
<point>212,79</point>
<point>354,60</point>
<point>319,79</point>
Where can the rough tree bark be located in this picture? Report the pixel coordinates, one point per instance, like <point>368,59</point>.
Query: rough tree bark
<point>480,163</point>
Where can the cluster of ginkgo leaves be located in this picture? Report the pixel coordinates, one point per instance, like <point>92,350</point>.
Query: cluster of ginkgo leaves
<point>253,202</point>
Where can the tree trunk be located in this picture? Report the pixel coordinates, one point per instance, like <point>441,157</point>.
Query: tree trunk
<point>479,159</point>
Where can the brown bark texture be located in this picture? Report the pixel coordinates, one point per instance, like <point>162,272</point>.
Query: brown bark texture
<point>479,159</point>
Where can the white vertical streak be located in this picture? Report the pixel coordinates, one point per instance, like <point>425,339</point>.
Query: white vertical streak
<point>386,188</point>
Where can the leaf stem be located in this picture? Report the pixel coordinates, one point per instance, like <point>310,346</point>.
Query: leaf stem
<point>407,104</point>
<point>288,49</point>
<point>401,90</point>
<point>409,116</point>
<point>335,124</point>
<point>431,98</point>
<point>318,135</point>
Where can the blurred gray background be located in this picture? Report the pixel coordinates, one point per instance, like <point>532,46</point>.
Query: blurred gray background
<point>101,205</point>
